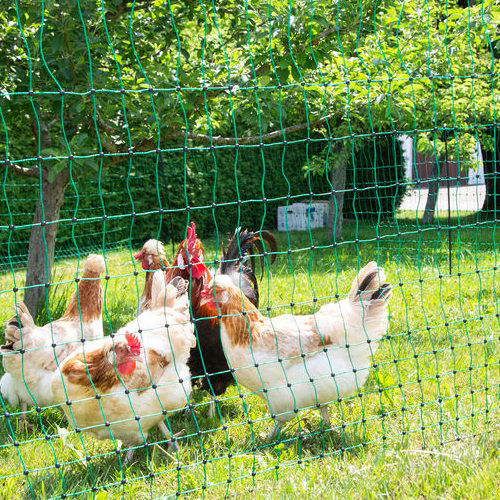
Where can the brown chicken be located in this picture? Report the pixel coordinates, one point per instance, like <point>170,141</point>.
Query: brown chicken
<point>122,386</point>
<point>152,257</point>
<point>31,353</point>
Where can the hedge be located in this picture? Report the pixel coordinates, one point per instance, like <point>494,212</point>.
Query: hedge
<point>225,188</point>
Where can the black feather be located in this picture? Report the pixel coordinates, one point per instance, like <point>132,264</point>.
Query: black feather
<point>14,322</point>
<point>366,281</point>
<point>207,362</point>
<point>381,292</point>
<point>238,248</point>
<point>235,263</point>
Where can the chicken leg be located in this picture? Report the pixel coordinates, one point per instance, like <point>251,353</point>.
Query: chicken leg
<point>23,421</point>
<point>173,444</point>
<point>211,409</point>
<point>325,416</point>
<point>128,457</point>
<point>275,431</point>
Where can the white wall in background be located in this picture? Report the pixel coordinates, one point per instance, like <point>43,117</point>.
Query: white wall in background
<point>477,176</point>
<point>407,145</point>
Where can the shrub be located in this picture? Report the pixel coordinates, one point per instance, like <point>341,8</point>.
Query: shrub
<point>375,180</point>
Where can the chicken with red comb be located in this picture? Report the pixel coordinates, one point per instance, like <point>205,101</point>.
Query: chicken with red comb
<point>207,363</point>
<point>122,386</point>
<point>127,366</point>
<point>188,264</point>
<point>192,254</point>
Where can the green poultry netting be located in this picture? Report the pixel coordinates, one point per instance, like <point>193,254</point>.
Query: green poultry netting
<point>338,134</point>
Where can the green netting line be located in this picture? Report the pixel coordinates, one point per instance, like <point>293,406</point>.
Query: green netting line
<point>233,167</point>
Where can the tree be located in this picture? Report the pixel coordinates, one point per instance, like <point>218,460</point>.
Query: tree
<point>89,83</point>
<point>423,70</point>
<point>84,84</point>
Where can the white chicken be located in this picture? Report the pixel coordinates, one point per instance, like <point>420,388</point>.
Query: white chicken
<point>122,386</point>
<point>31,353</point>
<point>297,362</point>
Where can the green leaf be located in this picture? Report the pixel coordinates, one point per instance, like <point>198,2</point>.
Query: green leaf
<point>55,169</point>
<point>79,140</point>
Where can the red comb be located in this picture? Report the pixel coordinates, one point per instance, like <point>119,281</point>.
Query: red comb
<point>191,237</point>
<point>133,342</point>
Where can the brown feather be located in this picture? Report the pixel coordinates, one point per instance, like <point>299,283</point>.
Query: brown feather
<point>100,371</point>
<point>103,374</point>
<point>87,299</point>
<point>239,324</point>
<point>158,263</point>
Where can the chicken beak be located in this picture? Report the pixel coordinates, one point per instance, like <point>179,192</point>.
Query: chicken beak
<point>141,258</point>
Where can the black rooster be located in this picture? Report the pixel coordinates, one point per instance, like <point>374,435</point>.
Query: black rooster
<point>207,361</point>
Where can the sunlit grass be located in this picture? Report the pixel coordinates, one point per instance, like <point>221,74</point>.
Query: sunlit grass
<point>426,425</point>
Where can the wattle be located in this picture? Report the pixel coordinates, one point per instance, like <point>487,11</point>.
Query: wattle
<point>127,367</point>
<point>145,265</point>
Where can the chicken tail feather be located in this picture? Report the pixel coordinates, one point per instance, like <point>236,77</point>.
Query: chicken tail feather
<point>242,243</point>
<point>239,245</point>
<point>370,285</point>
<point>22,320</point>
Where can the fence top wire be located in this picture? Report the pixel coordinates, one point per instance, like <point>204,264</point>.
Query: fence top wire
<point>123,123</point>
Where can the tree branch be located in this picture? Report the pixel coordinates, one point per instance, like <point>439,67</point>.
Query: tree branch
<point>33,172</point>
<point>323,34</point>
<point>254,139</point>
<point>150,142</point>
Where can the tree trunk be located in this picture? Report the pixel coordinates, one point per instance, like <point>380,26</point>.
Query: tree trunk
<point>336,205</point>
<point>42,242</point>
<point>491,164</point>
<point>432,197</point>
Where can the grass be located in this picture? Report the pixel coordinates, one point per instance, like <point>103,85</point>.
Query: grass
<point>424,426</point>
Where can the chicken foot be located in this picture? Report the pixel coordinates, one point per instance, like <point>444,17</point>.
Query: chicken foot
<point>275,431</point>
<point>173,444</point>
<point>23,421</point>
<point>188,412</point>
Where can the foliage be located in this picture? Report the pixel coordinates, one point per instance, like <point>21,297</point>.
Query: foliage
<point>375,183</point>
<point>240,69</point>
<point>375,179</point>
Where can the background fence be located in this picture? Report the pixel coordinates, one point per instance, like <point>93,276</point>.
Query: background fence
<point>126,120</point>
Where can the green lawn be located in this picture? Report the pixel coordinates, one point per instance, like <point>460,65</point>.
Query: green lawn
<point>426,425</point>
